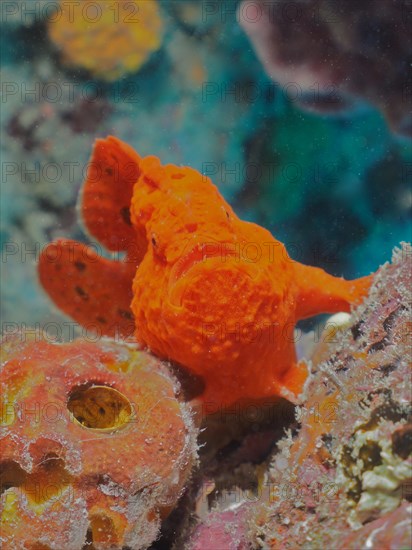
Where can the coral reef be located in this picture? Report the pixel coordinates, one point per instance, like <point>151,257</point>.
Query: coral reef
<point>108,40</point>
<point>348,472</point>
<point>338,52</point>
<point>95,446</point>
<point>391,531</point>
<point>202,99</point>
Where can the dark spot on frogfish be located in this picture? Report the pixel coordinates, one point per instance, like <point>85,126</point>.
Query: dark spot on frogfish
<point>125,214</point>
<point>80,266</point>
<point>81,292</point>
<point>125,314</point>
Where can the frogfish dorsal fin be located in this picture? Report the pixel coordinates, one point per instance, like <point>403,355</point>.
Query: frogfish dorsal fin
<point>106,196</point>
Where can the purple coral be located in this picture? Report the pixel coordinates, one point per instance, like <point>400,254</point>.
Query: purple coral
<point>327,53</point>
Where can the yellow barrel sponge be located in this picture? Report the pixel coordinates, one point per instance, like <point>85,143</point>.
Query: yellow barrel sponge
<point>109,39</point>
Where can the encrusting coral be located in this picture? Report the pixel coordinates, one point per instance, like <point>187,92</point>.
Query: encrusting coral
<point>96,448</point>
<point>109,39</point>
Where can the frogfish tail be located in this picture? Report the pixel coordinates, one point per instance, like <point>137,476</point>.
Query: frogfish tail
<point>320,292</point>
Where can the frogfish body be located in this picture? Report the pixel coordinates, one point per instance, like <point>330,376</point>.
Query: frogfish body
<point>201,288</point>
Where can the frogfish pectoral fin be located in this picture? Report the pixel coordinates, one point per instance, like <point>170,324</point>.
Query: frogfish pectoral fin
<point>94,291</point>
<point>319,292</point>
<point>106,197</point>
<point>291,384</point>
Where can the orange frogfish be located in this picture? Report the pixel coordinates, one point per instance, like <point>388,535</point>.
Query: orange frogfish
<point>212,293</point>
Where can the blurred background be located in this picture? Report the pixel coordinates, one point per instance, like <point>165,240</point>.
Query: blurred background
<point>299,111</point>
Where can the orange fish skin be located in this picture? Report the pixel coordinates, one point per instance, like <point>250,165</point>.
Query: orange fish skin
<point>218,295</point>
<point>82,284</point>
<point>213,293</point>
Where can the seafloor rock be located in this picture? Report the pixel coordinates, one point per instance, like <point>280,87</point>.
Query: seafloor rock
<point>95,446</point>
<point>107,39</point>
<point>349,468</point>
<point>221,530</point>
<point>328,53</point>
<point>344,480</point>
<point>391,531</point>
